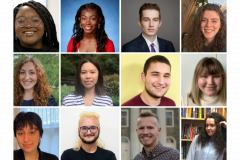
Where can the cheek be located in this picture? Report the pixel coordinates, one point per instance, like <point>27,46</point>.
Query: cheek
<point>218,82</point>
<point>201,83</point>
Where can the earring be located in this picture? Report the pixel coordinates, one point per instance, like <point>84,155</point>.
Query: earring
<point>80,25</point>
<point>15,37</point>
<point>99,25</point>
<point>46,34</point>
<point>39,141</point>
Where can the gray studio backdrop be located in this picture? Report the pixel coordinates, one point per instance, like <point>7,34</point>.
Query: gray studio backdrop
<point>170,16</point>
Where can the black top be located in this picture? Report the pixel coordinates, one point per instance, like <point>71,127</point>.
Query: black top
<point>18,155</point>
<point>19,48</point>
<point>100,154</point>
<point>51,102</point>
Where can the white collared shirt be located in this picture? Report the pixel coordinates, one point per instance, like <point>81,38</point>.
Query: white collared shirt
<point>155,42</point>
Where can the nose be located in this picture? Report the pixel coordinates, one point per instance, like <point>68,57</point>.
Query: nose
<point>145,131</point>
<point>151,23</point>
<point>25,138</point>
<point>208,23</point>
<point>210,80</point>
<point>88,75</point>
<point>28,24</point>
<point>160,80</point>
<point>88,21</point>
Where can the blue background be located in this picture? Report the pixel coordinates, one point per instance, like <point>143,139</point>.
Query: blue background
<point>110,9</point>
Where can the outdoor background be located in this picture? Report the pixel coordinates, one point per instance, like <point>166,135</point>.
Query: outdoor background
<point>50,64</point>
<point>110,68</point>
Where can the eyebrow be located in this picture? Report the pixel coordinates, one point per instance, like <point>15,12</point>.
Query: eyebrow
<point>90,16</point>
<point>29,69</point>
<point>150,18</point>
<point>159,72</point>
<point>212,18</point>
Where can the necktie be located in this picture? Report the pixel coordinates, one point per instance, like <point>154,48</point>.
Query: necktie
<point>152,48</point>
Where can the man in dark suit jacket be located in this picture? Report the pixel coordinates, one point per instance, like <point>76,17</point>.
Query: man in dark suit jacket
<point>150,21</point>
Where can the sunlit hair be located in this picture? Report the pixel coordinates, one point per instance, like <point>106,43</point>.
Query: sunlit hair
<point>100,34</point>
<point>146,6</point>
<point>79,88</point>
<point>42,89</point>
<point>208,66</point>
<point>23,119</point>
<point>148,114</point>
<point>219,136</point>
<point>195,41</point>
<point>88,114</point>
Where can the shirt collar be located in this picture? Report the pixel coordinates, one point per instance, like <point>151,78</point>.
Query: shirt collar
<point>155,42</point>
<point>157,150</point>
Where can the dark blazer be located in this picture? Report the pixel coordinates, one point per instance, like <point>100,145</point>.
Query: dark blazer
<point>140,45</point>
<point>18,155</point>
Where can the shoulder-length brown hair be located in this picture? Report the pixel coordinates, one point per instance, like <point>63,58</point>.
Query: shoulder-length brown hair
<point>208,66</point>
<point>195,41</point>
<point>79,88</point>
<point>42,89</point>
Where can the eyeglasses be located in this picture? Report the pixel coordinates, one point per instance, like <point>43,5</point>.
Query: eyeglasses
<point>22,22</point>
<point>84,129</point>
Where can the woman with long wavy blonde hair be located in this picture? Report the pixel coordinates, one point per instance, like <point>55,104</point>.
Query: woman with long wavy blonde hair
<point>207,32</point>
<point>31,87</point>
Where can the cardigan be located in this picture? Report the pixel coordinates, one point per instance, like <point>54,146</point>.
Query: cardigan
<point>109,47</point>
<point>19,155</point>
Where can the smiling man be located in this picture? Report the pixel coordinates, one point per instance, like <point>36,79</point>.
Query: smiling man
<point>156,76</point>
<point>150,21</point>
<point>148,130</point>
<point>88,147</point>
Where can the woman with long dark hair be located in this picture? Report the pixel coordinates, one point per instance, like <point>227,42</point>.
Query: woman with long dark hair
<point>88,31</point>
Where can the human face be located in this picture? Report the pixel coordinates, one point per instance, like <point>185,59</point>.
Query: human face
<point>89,20</point>
<point>29,36</point>
<point>148,130</point>
<point>89,75</point>
<point>210,84</point>
<point>150,22</point>
<point>89,137</point>
<point>210,25</point>
<point>158,79</point>
<point>210,126</point>
<point>28,138</point>
<point>28,76</point>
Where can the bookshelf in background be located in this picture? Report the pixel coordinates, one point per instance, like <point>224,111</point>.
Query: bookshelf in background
<point>192,122</point>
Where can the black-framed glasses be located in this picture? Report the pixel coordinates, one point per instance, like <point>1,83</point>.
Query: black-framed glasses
<point>84,129</point>
<point>34,21</point>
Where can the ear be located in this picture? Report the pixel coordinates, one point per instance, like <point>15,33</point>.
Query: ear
<point>160,23</point>
<point>143,76</point>
<point>136,130</point>
<point>99,130</point>
<point>79,18</point>
<point>78,131</point>
<point>159,130</point>
<point>139,23</point>
<point>100,19</point>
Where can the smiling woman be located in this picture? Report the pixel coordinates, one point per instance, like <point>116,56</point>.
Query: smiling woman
<point>34,29</point>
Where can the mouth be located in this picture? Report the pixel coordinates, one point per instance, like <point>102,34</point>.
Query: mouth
<point>159,87</point>
<point>146,138</point>
<point>211,88</point>
<point>87,82</point>
<point>27,145</point>
<point>88,28</point>
<point>208,30</point>
<point>150,30</point>
<point>27,82</point>
<point>29,33</point>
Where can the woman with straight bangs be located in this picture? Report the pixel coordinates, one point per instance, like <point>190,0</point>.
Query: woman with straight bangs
<point>207,32</point>
<point>28,132</point>
<point>211,141</point>
<point>208,85</point>
<point>31,87</point>
<point>88,31</point>
<point>88,86</point>
<point>34,28</point>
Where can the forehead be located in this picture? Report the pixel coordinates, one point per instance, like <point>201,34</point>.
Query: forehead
<point>159,67</point>
<point>26,12</point>
<point>210,121</point>
<point>88,66</point>
<point>89,12</point>
<point>26,127</point>
<point>150,13</point>
<point>28,66</point>
<point>211,14</point>
<point>147,121</point>
<point>88,121</point>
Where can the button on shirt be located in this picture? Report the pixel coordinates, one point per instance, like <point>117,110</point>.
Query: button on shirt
<point>159,152</point>
<point>155,42</point>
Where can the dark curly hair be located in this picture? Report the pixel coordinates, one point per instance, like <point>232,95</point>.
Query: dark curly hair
<point>100,34</point>
<point>219,136</point>
<point>50,28</point>
<point>195,41</point>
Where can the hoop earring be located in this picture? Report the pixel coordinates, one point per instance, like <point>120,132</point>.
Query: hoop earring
<point>99,25</point>
<point>80,25</point>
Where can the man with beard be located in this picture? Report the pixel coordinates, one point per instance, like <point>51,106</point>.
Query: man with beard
<point>156,76</point>
<point>88,147</point>
<point>148,130</point>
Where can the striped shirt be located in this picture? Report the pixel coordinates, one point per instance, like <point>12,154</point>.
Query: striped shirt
<point>73,100</point>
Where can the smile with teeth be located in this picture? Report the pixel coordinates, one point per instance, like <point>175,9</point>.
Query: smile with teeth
<point>27,82</point>
<point>88,82</point>
<point>146,138</point>
<point>29,33</point>
<point>88,28</point>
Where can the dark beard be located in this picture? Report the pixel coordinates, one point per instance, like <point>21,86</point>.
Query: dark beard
<point>94,140</point>
<point>152,95</point>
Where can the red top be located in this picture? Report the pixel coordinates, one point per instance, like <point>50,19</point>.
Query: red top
<point>109,47</point>
<point>137,101</point>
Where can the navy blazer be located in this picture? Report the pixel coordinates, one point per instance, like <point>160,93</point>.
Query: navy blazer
<point>140,45</point>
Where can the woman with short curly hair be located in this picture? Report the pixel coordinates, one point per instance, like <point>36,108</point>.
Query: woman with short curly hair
<point>207,32</point>
<point>31,87</point>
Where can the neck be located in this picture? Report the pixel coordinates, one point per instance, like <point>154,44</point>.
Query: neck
<point>89,36</point>
<point>28,94</point>
<point>149,148</point>
<point>89,92</point>
<point>209,41</point>
<point>150,38</point>
<point>149,100</point>
<point>32,155</point>
<point>89,148</point>
<point>34,46</point>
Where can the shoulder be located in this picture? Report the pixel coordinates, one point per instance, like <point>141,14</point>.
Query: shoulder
<point>18,155</point>
<point>106,153</point>
<point>165,45</point>
<point>109,47</point>
<point>48,156</point>
<point>175,154</point>
<point>167,102</point>
<point>135,101</point>
<point>68,154</point>
<point>185,49</point>
<point>186,100</point>
<point>70,44</point>
<point>103,101</point>
<point>165,41</point>
<point>72,100</point>
<point>139,155</point>
<point>131,46</point>
<point>52,101</point>
<point>51,49</point>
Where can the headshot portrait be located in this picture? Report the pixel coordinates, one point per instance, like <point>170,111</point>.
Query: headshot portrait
<point>90,27</point>
<point>90,134</point>
<point>155,79</point>
<point>36,26</point>
<point>204,80</point>
<point>150,133</point>
<point>204,26</point>
<point>36,80</point>
<point>36,133</point>
<point>90,80</point>
<point>150,26</point>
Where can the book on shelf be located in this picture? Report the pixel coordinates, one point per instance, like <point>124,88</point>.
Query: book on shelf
<point>184,150</point>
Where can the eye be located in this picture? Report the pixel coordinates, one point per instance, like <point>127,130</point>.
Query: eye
<point>83,18</point>
<point>204,20</point>
<point>92,72</point>
<point>32,132</point>
<point>166,76</point>
<point>93,18</point>
<point>32,72</point>
<point>216,76</point>
<point>22,72</point>
<point>155,74</point>
<point>93,127</point>
<point>145,20</point>
<point>84,128</point>
<point>20,133</point>
<point>83,72</point>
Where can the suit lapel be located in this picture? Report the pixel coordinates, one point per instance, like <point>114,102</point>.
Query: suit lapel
<point>142,44</point>
<point>161,46</point>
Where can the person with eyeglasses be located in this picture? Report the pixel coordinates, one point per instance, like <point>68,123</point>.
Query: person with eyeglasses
<point>89,146</point>
<point>34,28</point>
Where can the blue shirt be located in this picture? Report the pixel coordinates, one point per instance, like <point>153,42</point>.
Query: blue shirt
<point>51,102</point>
<point>196,152</point>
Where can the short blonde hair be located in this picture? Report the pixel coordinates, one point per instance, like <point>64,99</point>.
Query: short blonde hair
<point>88,114</point>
